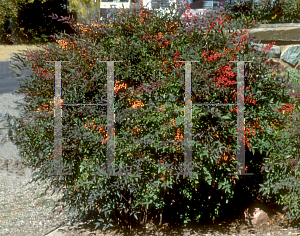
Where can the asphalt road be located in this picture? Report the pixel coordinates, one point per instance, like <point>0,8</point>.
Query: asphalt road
<point>8,81</point>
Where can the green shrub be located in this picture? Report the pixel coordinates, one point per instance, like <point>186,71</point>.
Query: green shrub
<point>138,39</point>
<point>282,168</point>
<point>282,11</point>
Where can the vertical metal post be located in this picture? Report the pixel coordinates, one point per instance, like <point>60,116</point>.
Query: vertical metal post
<point>57,152</point>
<point>240,117</point>
<point>110,152</point>
<point>110,157</point>
<point>188,116</point>
<point>240,154</point>
<point>57,110</point>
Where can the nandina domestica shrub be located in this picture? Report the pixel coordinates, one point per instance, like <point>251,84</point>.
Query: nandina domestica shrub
<point>149,109</point>
<point>281,11</point>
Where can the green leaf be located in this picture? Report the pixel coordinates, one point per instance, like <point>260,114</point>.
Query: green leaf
<point>274,17</point>
<point>226,117</point>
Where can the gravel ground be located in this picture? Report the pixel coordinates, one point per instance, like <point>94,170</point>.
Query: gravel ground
<point>23,210</point>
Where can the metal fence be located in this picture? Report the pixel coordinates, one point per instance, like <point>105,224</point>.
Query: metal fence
<point>57,160</point>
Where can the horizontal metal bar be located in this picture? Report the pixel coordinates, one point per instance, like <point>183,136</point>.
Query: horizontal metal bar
<point>240,61</point>
<point>213,104</point>
<point>101,104</point>
<point>196,104</point>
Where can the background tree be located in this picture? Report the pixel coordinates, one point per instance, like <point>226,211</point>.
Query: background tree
<point>83,7</point>
<point>31,19</point>
<point>9,9</point>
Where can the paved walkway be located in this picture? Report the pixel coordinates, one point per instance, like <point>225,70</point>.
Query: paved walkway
<point>8,81</point>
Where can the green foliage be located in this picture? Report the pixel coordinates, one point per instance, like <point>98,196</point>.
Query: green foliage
<point>83,7</point>
<point>31,26</point>
<point>282,168</point>
<point>282,11</point>
<point>148,159</point>
<point>10,9</point>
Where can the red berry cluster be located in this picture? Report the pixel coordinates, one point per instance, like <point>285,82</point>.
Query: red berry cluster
<point>213,57</point>
<point>269,46</point>
<point>143,15</point>
<point>39,70</point>
<point>176,56</point>
<point>213,24</point>
<point>188,10</point>
<point>226,72</point>
<point>286,108</point>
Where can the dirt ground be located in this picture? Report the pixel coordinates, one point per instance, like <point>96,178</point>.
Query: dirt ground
<point>6,51</point>
<point>278,225</point>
